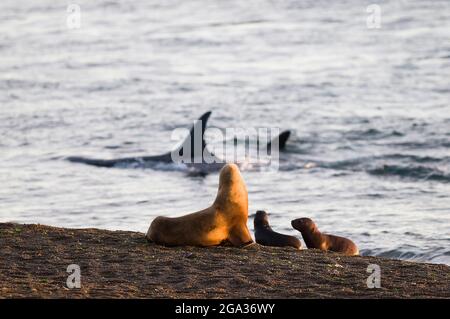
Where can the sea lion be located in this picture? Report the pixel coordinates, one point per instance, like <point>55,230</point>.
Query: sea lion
<point>315,239</point>
<point>264,234</point>
<point>224,222</point>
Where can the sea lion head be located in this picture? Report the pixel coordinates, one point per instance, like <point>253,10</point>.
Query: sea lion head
<point>229,174</point>
<point>302,224</point>
<point>232,190</point>
<point>261,219</point>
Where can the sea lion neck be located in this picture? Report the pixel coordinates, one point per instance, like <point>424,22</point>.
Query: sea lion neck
<point>311,235</point>
<point>235,195</point>
<point>261,220</point>
<point>261,223</point>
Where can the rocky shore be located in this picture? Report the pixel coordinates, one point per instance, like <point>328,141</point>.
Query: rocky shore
<point>34,261</point>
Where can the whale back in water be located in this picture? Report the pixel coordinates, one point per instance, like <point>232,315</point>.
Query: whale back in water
<point>194,155</point>
<point>195,152</point>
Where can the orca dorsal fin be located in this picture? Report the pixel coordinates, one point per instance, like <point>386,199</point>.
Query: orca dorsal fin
<point>282,140</point>
<point>192,142</point>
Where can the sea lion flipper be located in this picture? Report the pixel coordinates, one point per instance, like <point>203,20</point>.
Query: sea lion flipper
<point>240,236</point>
<point>249,244</point>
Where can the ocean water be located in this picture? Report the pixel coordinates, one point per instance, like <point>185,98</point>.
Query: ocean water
<point>369,109</point>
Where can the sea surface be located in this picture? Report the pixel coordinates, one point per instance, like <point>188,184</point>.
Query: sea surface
<point>369,108</point>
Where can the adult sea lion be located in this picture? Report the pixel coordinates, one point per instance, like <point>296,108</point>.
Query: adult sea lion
<point>264,234</point>
<point>315,239</point>
<point>224,222</point>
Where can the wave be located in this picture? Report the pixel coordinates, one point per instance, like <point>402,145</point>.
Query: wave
<point>427,144</point>
<point>439,255</point>
<point>414,172</point>
<point>399,165</point>
<point>370,134</point>
<point>407,166</point>
<point>370,160</point>
<point>416,158</point>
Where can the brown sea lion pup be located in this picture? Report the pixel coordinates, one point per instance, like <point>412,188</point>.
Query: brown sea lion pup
<point>315,239</point>
<point>264,234</point>
<point>224,222</point>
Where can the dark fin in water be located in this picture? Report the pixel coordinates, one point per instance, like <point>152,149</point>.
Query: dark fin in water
<point>197,132</point>
<point>282,140</point>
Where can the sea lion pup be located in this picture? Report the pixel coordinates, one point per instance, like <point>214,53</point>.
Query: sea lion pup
<point>224,222</point>
<point>264,234</point>
<point>315,239</point>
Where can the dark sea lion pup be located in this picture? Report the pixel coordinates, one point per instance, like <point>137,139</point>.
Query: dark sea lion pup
<point>224,222</point>
<point>315,239</point>
<point>264,234</point>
